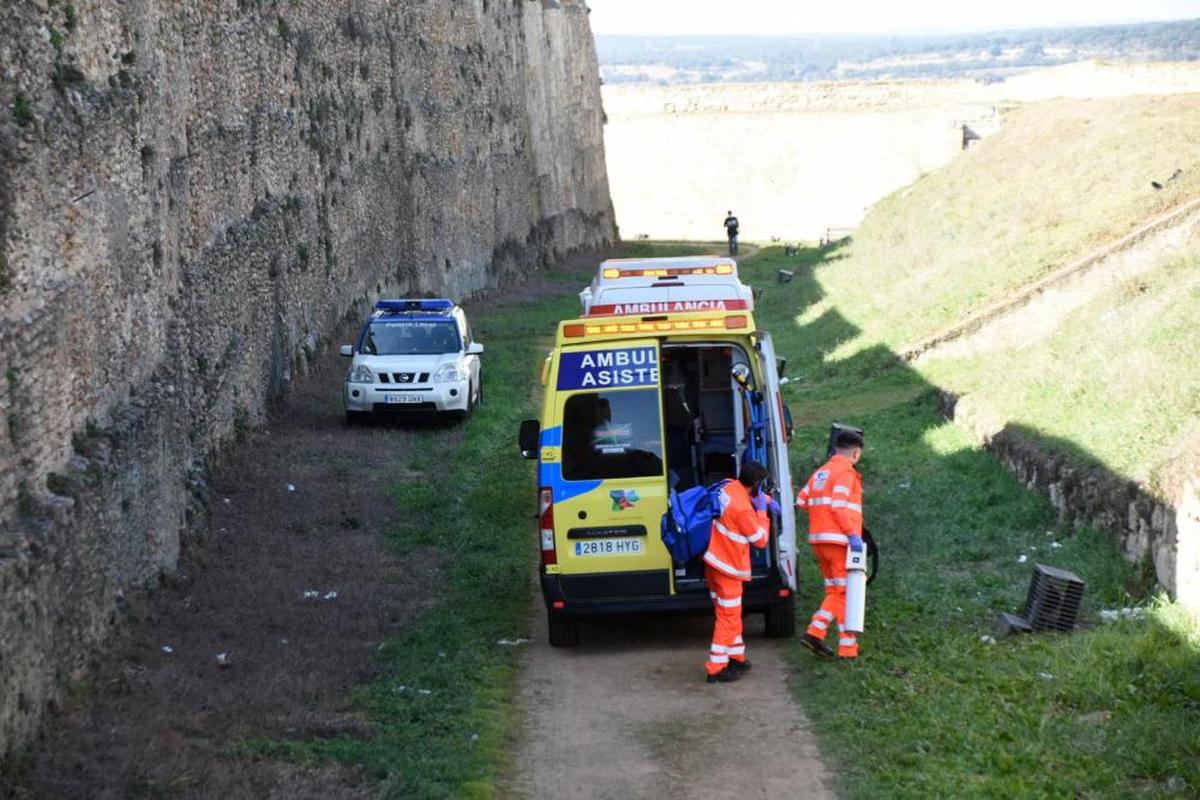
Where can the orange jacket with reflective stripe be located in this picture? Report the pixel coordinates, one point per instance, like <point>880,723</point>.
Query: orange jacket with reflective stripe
<point>738,527</point>
<point>833,499</point>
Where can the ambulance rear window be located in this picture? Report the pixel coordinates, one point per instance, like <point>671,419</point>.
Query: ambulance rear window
<point>612,435</point>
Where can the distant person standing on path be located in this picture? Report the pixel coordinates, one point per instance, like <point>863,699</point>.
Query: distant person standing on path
<point>743,523</point>
<point>731,230</point>
<point>833,499</point>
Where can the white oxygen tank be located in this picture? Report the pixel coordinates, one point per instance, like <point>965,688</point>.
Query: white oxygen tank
<point>856,587</point>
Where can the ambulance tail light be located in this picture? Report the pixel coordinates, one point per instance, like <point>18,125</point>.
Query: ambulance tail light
<point>546,525</point>
<point>735,321</point>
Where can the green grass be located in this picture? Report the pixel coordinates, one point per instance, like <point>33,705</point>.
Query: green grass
<point>1114,385</point>
<point>931,709</point>
<point>666,249</point>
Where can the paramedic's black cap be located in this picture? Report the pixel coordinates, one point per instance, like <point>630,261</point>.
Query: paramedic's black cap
<point>849,439</point>
<point>752,473</point>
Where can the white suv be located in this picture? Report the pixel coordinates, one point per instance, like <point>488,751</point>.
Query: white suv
<point>414,355</point>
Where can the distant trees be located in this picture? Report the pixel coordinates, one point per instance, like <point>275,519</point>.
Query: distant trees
<point>717,59</point>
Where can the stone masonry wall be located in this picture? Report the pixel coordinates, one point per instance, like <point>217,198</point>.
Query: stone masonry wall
<point>1162,531</point>
<point>193,196</point>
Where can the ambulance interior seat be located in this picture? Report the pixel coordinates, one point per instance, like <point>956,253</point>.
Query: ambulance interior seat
<point>681,431</point>
<point>699,404</point>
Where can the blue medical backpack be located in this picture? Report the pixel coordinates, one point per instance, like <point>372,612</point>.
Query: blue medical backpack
<point>687,525</point>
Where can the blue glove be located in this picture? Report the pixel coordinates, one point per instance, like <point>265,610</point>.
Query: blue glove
<point>856,542</point>
<point>774,507</point>
<point>760,500</point>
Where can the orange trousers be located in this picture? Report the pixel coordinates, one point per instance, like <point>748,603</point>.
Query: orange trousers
<point>832,560</point>
<point>727,642</point>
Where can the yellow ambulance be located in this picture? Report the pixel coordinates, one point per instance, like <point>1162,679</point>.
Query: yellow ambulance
<point>664,383</point>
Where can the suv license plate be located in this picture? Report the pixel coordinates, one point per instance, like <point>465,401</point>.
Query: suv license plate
<point>404,398</point>
<point>609,547</point>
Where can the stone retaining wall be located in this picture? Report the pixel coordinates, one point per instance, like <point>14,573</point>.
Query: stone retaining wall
<point>1166,532</point>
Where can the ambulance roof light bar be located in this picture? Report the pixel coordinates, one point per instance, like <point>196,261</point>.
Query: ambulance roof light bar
<point>656,324</point>
<point>615,273</point>
<point>413,306</point>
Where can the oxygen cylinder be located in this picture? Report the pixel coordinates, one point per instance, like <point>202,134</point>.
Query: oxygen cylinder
<point>856,585</point>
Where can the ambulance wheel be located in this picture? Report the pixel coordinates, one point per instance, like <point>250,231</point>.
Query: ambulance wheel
<point>564,631</point>
<point>781,619</point>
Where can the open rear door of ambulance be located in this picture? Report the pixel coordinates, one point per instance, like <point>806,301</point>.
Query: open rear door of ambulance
<point>612,490</point>
<point>785,537</point>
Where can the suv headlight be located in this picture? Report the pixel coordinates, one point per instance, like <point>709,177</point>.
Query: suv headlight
<point>361,374</point>
<point>447,373</point>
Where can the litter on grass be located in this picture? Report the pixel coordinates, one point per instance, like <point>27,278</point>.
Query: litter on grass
<point>291,488</point>
<point>1114,614</point>
<point>223,660</point>
<point>512,642</point>
<point>1021,559</point>
<point>987,639</point>
<point>1046,676</point>
<point>168,649</point>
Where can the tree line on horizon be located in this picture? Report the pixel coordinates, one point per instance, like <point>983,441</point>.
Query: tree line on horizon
<point>981,56</point>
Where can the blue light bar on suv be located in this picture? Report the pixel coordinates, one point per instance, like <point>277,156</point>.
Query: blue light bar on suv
<point>400,306</point>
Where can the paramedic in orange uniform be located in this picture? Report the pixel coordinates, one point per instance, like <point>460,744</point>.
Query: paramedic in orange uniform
<point>833,499</point>
<point>743,522</point>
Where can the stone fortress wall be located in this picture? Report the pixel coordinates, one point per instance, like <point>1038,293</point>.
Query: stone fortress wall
<point>193,197</point>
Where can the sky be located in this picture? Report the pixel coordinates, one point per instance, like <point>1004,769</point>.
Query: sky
<point>798,17</point>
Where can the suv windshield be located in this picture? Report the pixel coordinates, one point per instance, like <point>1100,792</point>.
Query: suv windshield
<point>410,339</point>
<point>612,435</point>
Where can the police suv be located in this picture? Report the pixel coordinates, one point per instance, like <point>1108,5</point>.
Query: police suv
<point>665,383</point>
<point>414,355</point>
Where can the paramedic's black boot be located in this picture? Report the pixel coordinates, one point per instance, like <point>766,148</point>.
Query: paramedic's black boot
<point>816,645</point>
<point>726,675</point>
<point>739,666</point>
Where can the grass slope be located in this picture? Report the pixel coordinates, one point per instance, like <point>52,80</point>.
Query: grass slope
<point>1118,384</point>
<point>931,709</point>
<point>1060,179</point>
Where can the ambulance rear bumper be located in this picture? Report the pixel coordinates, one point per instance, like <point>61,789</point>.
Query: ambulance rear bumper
<point>608,594</point>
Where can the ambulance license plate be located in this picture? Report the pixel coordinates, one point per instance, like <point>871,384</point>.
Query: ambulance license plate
<point>404,398</point>
<point>608,547</point>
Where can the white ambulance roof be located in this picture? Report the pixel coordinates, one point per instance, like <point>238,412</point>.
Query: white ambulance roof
<point>674,262</point>
<point>666,285</point>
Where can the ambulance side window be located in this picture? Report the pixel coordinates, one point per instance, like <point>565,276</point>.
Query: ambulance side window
<point>612,435</point>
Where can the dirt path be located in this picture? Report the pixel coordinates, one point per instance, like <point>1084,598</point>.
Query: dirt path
<point>627,715</point>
